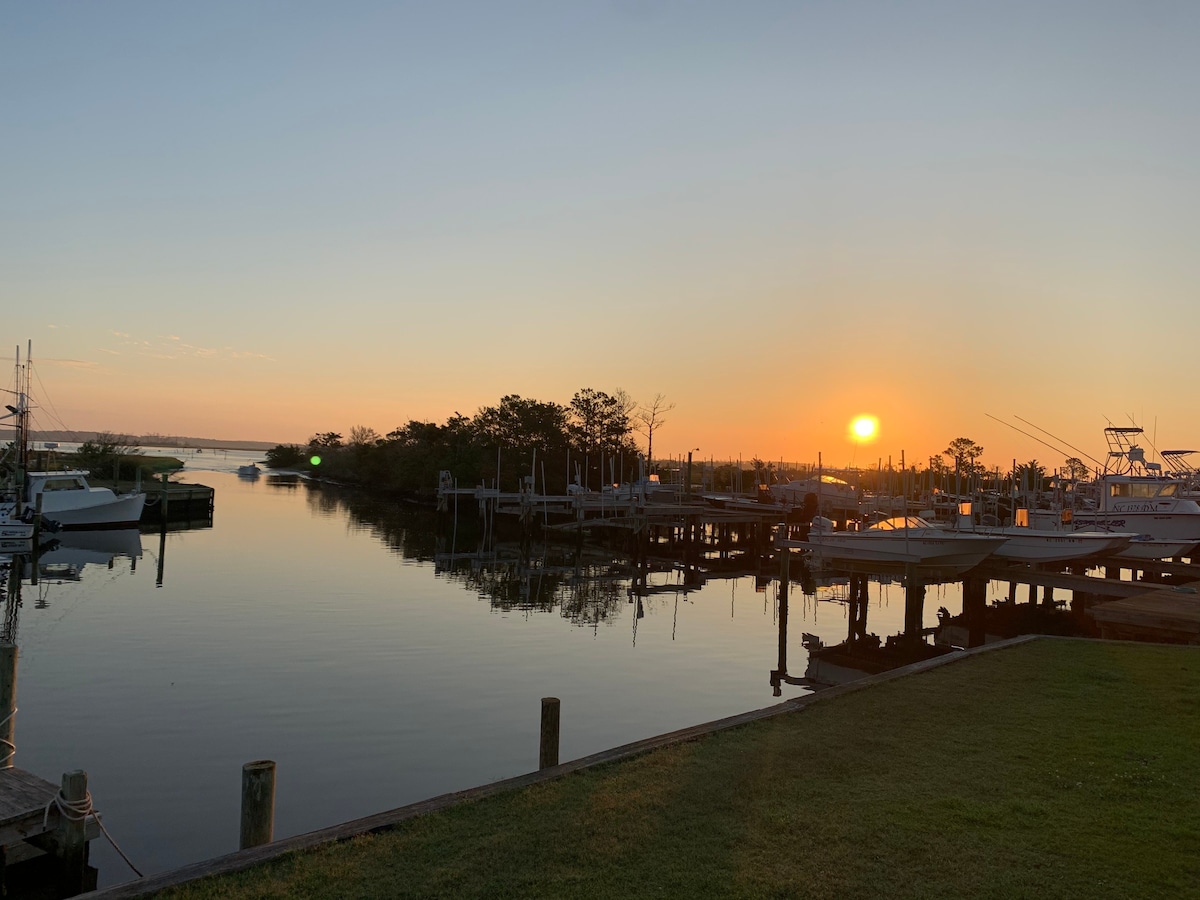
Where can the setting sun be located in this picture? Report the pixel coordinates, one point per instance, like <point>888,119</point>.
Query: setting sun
<point>863,428</point>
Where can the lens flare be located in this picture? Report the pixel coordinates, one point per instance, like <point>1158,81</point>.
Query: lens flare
<point>315,460</point>
<point>864,428</point>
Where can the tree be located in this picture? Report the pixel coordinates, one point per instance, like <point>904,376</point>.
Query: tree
<point>649,419</point>
<point>599,424</point>
<point>1076,468</point>
<point>521,423</point>
<point>108,453</point>
<point>362,436</point>
<point>964,452</point>
<point>284,456</point>
<point>329,440</point>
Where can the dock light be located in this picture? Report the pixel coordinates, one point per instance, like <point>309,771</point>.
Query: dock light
<point>314,460</point>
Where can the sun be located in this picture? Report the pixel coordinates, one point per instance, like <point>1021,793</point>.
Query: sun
<point>864,428</point>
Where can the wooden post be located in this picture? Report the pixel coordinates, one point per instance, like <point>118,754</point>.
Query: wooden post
<point>8,703</point>
<point>548,747</point>
<point>914,603</point>
<point>37,519</point>
<point>258,803</point>
<point>73,838</point>
<point>162,498</point>
<point>975,609</point>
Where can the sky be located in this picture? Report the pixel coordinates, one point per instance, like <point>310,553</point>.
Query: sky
<point>259,221</point>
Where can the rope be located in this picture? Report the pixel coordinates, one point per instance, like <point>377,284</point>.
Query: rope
<point>78,811</point>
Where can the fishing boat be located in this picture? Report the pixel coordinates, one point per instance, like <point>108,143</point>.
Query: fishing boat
<point>899,543</point>
<point>1134,495</point>
<point>64,497</point>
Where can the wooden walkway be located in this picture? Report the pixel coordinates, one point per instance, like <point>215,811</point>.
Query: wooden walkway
<point>1169,615</point>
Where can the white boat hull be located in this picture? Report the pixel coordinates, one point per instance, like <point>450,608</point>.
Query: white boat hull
<point>1037,546</point>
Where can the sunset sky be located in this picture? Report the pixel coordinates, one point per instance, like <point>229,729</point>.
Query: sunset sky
<point>260,220</point>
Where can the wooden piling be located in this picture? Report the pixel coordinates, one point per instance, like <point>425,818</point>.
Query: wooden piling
<point>8,703</point>
<point>548,747</point>
<point>73,846</point>
<point>258,803</point>
<point>914,603</point>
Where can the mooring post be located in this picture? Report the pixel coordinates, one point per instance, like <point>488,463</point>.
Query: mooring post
<point>162,497</point>
<point>914,603</point>
<point>548,747</point>
<point>8,703</point>
<point>258,803</point>
<point>975,609</point>
<point>37,520</point>
<point>72,833</point>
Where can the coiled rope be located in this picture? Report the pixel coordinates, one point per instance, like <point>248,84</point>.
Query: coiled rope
<point>78,811</point>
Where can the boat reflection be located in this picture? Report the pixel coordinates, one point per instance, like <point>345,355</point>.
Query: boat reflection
<point>65,556</point>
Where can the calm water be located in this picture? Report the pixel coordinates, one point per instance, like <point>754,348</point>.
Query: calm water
<point>341,639</point>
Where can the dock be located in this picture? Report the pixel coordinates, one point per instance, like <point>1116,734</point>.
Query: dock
<point>1169,615</point>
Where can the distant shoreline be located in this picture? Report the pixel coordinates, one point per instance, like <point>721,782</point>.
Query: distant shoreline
<point>145,440</point>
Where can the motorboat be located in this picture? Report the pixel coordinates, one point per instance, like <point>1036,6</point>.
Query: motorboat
<point>1134,495</point>
<point>898,543</point>
<point>250,471</point>
<point>1043,545</point>
<point>831,493</point>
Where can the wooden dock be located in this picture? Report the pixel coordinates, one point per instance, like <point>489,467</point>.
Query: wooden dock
<point>1165,614</point>
<point>31,824</point>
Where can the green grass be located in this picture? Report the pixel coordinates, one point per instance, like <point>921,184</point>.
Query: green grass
<point>1052,769</point>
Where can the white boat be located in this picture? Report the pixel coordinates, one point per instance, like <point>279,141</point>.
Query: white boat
<point>250,471</point>
<point>898,543</point>
<point>65,497</point>
<point>831,493</point>
<point>1147,548</point>
<point>1043,545</point>
<point>14,529</point>
<point>1134,496</point>
<point>69,500</point>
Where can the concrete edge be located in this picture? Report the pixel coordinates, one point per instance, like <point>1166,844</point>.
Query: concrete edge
<point>245,859</point>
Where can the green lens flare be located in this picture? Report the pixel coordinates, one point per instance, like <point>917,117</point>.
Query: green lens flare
<point>315,460</point>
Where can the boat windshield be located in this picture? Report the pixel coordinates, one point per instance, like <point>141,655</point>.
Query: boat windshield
<point>899,523</point>
<point>1142,489</point>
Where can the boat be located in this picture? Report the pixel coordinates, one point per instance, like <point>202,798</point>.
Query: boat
<point>14,529</point>
<point>1043,545</point>
<point>831,493</point>
<point>250,471</point>
<point>1134,495</point>
<point>900,543</point>
<point>64,497</point>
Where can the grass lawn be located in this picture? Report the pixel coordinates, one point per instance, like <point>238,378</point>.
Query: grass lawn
<point>1051,769</point>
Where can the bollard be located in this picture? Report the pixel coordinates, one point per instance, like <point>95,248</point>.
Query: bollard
<point>73,845</point>
<point>548,749</point>
<point>258,803</point>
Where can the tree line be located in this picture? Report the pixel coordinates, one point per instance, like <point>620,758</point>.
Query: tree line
<point>589,441</point>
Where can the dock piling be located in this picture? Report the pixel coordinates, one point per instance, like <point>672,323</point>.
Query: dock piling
<point>72,834</point>
<point>548,746</point>
<point>8,703</point>
<point>258,803</point>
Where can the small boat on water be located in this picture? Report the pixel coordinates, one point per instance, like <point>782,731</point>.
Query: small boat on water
<point>899,543</point>
<point>250,471</point>
<point>64,497</point>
